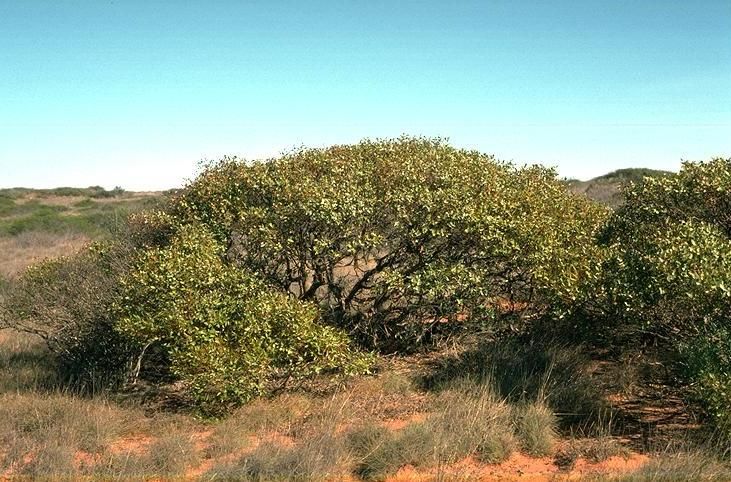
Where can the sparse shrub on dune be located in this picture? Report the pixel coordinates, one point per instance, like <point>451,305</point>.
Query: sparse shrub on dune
<point>66,302</point>
<point>164,303</point>
<point>258,275</point>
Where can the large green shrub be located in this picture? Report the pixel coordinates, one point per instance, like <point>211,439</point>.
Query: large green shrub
<point>225,333</point>
<point>667,277</point>
<point>400,239</point>
<point>668,272</point>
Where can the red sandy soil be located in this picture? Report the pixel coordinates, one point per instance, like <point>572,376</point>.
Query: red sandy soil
<point>520,467</point>
<point>135,444</point>
<point>394,424</point>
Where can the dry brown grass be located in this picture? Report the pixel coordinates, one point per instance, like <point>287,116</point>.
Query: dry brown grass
<point>50,434</point>
<point>19,252</point>
<point>677,466</point>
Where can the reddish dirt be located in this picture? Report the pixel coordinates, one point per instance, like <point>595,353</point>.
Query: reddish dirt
<point>137,444</point>
<point>399,423</point>
<point>10,472</point>
<point>517,467</point>
<point>84,459</point>
<point>520,467</point>
<point>613,465</point>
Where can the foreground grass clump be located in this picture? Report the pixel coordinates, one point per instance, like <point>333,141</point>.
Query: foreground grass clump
<point>53,428</point>
<point>467,421</point>
<point>323,457</point>
<point>536,428</point>
<point>25,364</point>
<point>670,467</point>
<point>268,415</point>
<point>300,439</point>
<point>539,370</point>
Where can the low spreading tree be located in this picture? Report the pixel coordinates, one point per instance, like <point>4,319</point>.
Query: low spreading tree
<point>397,240</point>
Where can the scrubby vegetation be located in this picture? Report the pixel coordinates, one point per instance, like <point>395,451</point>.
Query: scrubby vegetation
<point>91,211</point>
<point>224,333</point>
<point>401,241</point>
<point>264,295</point>
<point>667,275</point>
<point>259,271</point>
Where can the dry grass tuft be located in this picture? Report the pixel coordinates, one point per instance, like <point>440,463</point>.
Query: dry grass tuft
<point>536,428</point>
<point>594,450</point>
<point>25,363</point>
<point>470,420</point>
<point>167,457</point>
<point>279,414</point>
<point>320,451</point>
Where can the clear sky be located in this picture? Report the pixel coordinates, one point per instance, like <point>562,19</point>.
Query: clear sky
<point>135,93</point>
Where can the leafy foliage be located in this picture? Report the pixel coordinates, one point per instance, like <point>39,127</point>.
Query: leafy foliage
<point>669,268</point>
<point>668,272</point>
<point>399,240</point>
<point>225,333</point>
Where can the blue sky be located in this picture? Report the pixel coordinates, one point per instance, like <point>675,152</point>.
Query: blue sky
<point>135,93</point>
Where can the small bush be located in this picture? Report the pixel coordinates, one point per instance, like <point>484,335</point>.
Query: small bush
<point>67,302</point>
<point>707,368</point>
<point>226,334</point>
